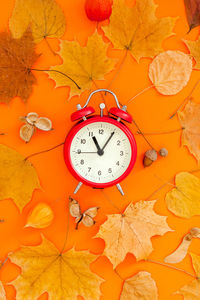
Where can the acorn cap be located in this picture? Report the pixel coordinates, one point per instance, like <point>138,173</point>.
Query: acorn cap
<point>151,154</point>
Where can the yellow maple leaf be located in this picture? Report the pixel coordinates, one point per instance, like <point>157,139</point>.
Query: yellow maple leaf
<point>139,287</point>
<point>63,275</point>
<point>190,122</point>
<point>45,16</point>
<point>132,231</point>
<point>138,29</point>
<point>183,200</point>
<point>18,178</point>
<point>194,47</point>
<point>82,64</point>
<point>191,291</point>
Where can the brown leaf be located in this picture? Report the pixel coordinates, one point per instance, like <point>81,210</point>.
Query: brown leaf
<point>192,8</point>
<point>16,59</point>
<point>190,121</point>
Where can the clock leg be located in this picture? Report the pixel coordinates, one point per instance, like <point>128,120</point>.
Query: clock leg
<point>120,189</point>
<point>78,187</point>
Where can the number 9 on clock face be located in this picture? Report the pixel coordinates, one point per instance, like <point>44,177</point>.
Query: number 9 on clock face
<point>100,151</point>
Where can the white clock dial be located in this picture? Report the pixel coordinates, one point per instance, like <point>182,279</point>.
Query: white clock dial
<point>100,152</point>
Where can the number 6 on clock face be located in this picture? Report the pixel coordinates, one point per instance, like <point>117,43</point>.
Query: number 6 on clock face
<point>100,151</point>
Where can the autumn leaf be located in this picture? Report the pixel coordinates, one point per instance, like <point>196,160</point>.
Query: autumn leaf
<point>137,29</point>
<point>132,231</point>
<point>192,8</point>
<point>83,64</point>
<point>2,292</point>
<point>18,178</point>
<point>194,47</point>
<point>139,287</point>
<point>180,253</point>
<point>183,200</point>
<point>45,17</point>
<point>63,275</point>
<point>170,72</point>
<point>190,122</point>
<point>16,59</point>
<point>191,291</point>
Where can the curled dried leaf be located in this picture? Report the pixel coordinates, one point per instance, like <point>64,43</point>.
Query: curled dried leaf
<point>43,124</point>
<point>170,72</point>
<point>40,217</point>
<point>26,132</point>
<point>31,118</point>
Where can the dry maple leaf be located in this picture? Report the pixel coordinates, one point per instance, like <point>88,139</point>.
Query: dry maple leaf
<point>190,122</point>
<point>18,178</point>
<point>194,47</point>
<point>16,59</point>
<point>138,29</point>
<point>191,291</point>
<point>139,287</point>
<point>132,231</point>
<point>180,253</point>
<point>63,275</point>
<point>170,72</point>
<point>183,200</point>
<point>45,17</point>
<point>192,8</point>
<point>83,64</point>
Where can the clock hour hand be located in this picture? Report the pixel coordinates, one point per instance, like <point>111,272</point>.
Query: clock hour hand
<point>106,143</point>
<point>99,150</point>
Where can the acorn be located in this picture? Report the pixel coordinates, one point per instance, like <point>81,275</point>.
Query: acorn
<point>163,152</point>
<point>149,157</point>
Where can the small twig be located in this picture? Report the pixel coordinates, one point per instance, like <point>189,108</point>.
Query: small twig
<point>171,267</point>
<point>185,100</point>
<point>139,130</point>
<point>1,133</point>
<point>33,69</point>
<point>140,93</point>
<point>37,153</point>
<point>160,133</point>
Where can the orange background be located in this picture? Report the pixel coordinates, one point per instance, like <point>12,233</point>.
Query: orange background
<point>150,110</point>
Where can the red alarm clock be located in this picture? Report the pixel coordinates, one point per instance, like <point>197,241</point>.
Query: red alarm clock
<point>100,150</point>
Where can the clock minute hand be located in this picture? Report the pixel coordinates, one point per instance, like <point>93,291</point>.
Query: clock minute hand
<point>99,150</point>
<point>108,140</point>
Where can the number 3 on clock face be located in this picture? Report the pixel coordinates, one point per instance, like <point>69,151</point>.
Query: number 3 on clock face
<point>100,151</point>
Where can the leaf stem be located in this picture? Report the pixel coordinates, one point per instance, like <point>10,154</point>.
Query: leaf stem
<point>67,231</point>
<point>159,133</point>
<point>140,93</point>
<point>49,46</point>
<point>110,201</point>
<point>140,132</point>
<point>44,151</point>
<point>33,69</point>
<point>171,267</point>
<point>119,69</point>
<point>185,100</point>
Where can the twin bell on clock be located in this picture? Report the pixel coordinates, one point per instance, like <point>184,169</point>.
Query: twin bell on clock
<point>100,150</point>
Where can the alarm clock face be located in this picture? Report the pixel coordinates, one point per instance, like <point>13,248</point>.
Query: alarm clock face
<point>101,151</point>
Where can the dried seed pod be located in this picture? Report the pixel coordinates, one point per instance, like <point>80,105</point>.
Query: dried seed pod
<point>163,152</point>
<point>40,217</point>
<point>26,132</point>
<point>149,157</point>
<point>31,118</point>
<point>74,208</point>
<point>43,124</point>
